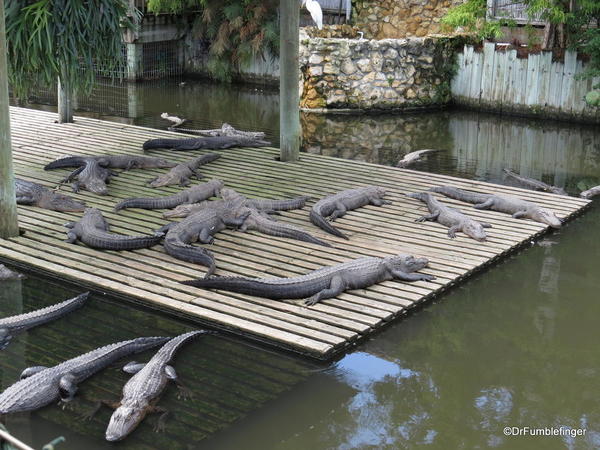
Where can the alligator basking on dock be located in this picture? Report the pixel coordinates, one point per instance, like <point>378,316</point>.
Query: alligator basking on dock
<point>194,194</point>
<point>126,162</point>
<point>336,205</point>
<point>40,386</point>
<point>324,283</point>
<point>201,226</point>
<point>590,192</point>
<point>94,231</point>
<point>451,218</point>
<point>181,173</point>
<point>29,193</point>
<point>535,184</point>
<point>520,209</point>
<point>91,176</point>
<point>15,324</point>
<point>413,157</point>
<point>142,391</point>
<point>211,143</point>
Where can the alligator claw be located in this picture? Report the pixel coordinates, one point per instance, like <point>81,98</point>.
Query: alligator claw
<point>183,392</point>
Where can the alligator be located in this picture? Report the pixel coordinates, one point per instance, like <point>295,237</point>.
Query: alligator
<point>29,193</point>
<point>182,173</point>
<point>413,157</point>
<point>141,392</point>
<point>6,274</point>
<point>520,209</point>
<point>192,195</point>
<point>590,192</point>
<point>40,386</point>
<point>451,218</point>
<point>91,176</point>
<point>201,226</point>
<point>209,142</point>
<point>337,205</point>
<point>535,184</point>
<point>22,322</point>
<point>326,282</point>
<point>113,162</point>
<point>94,231</point>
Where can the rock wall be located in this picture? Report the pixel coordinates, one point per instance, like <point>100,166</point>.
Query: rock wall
<point>385,19</point>
<point>388,74</point>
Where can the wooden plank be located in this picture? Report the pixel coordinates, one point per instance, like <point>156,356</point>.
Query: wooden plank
<point>487,76</point>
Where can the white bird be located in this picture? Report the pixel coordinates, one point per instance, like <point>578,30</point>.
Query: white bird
<point>315,11</point>
<point>177,121</point>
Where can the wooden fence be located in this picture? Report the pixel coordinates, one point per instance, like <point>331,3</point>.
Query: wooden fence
<point>497,80</point>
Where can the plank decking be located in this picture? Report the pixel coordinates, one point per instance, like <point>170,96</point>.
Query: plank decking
<point>151,276</point>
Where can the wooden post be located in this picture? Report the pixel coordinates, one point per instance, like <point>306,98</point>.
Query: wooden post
<point>9,225</point>
<point>289,96</point>
<point>65,99</point>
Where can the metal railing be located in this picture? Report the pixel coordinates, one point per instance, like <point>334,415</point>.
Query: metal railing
<point>513,10</point>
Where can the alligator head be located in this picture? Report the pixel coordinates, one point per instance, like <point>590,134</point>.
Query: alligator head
<point>407,263</point>
<point>125,419</point>
<point>546,216</point>
<point>474,230</point>
<point>58,202</point>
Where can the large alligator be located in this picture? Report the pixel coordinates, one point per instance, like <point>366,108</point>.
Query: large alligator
<point>590,192</point>
<point>520,209</point>
<point>211,142</point>
<point>94,231</point>
<point>91,176</point>
<point>336,205</point>
<point>192,195</point>
<point>113,162</point>
<point>181,173</point>
<point>141,392</point>
<point>451,218</point>
<point>29,193</point>
<point>413,157</point>
<point>40,386</point>
<point>535,184</point>
<point>201,226</point>
<point>22,322</point>
<point>327,282</point>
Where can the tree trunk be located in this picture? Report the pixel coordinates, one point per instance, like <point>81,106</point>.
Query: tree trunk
<point>9,225</point>
<point>548,42</point>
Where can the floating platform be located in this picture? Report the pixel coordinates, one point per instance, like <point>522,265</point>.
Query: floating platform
<point>152,277</point>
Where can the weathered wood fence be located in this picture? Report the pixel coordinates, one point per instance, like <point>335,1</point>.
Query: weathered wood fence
<point>497,80</point>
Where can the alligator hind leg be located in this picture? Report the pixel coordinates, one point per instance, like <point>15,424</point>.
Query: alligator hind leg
<point>133,367</point>
<point>430,217</point>
<point>31,371</point>
<point>67,387</point>
<point>4,338</point>
<point>205,237</point>
<point>485,205</point>
<point>336,287</point>
<point>340,211</point>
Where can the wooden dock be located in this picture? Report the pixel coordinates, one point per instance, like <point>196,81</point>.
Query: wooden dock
<point>151,276</point>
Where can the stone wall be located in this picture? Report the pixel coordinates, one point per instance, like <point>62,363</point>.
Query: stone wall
<point>389,74</point>
<point>385,19</point>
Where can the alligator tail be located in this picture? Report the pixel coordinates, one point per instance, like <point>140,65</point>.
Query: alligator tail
<point>320,221</point>
<point>69,161</point>
<point>110,241</point>
<point>186,252</point>
<point>273,228</point>
<point>279,205</point>
<point>168,202</point>
<point>160,143</point>
<point>247,286</point>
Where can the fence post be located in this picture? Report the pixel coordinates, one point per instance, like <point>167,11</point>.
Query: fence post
<point>65,98</point>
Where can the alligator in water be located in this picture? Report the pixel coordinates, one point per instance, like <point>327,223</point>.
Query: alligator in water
<point>413,157</point>
<point>181,173</point>
<point>337,205</point>
<point>91,176</point>
<point>590,192</point>
<point>212,143</point>
<point>94,231</point>
<point>535,184</point>
<point>142,391</point>
<point>7,275</point>
<point>22,322</point>
<point>113,162</point>
<point>520,209</point>
<point>451,218</point>
<point>192,195</point>
<point>324,283</point>
<point>29,193</point>
<point>40,386</point>
<point>201,226</point>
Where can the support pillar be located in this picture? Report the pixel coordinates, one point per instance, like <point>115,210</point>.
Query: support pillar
<point>65,99</point>
<point>134,61</point>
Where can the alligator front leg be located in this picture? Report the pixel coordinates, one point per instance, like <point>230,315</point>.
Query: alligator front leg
<point>520,215</point>
<point>452,231</point>
<point>430,217</point>
<point>67,387</point>
<point>133,367</point>
<point>336,287</point>
<point>25,200</point>
<point>486,225</point>
<point>161,422</point>
<point>485,205</point>
<point>97,406</point>
<point>5,338</point>
<point>204,237</point>
<point>71,237</point>
<point>403,276</point>
<point>376,201</point>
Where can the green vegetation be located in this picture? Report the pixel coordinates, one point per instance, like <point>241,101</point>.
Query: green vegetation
<point>48,39</point>
<point>470,16</point>
<point>236,30</point>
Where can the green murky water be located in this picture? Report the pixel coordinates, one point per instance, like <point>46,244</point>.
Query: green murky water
<point>513,346</point>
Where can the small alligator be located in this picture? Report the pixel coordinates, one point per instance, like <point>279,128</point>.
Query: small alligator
<point>141,392</point>
<point>324,283</point>
<point>337,205</point>
<point>201,226</point>
<point>451,218</point>
<point>535,184</point>
<point>91,176</point>
<point>7,275</point>
<point>413,157</point>
<point>192,195</point>
<point>40,386</point>
<point>29,193</point>
<point>211,142</point>
<point>94,231</point>
<point>181,173</point>
<point>590,192</point>
<point>113,162</point>
<point>22,322</point>
<point>520,209</point>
